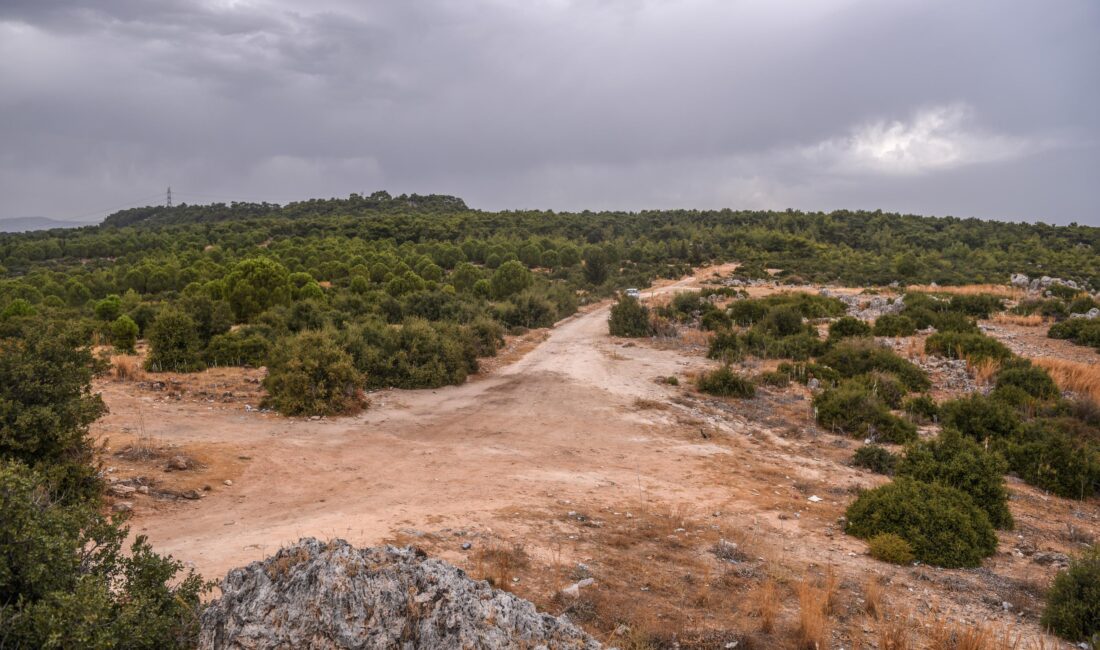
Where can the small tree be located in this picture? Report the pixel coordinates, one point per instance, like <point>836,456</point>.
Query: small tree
<point>847,327</point>
<point>724,382</point>
<point>1073,602</point>
<point>174,344</point>
<point>311,375</point>
<point>629,318</point>
<point>124,332</point>
<point>509,279</point>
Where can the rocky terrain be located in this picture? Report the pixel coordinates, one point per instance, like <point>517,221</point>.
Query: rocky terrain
<point>331,595</point>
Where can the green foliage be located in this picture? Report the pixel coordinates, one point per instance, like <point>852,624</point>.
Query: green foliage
<point>174,344</point>
<point>1081,331</point>
<point>509,279</point>
<point>804,372</point>
<point>847,327</point>
<point>941,524</point>
<point>255,285</point>
<point>415,354</point>
<point>921,408</point>
<point>876,458</point>
<point>781,321</point>
<point>980,417</point>
<point>972,347</point>
<point>774,378</point>
<point>981,305</point>
<point>109,308</point>
<point>629,318</point>
<point>237,349</point>
<point>310,375</point>
<point>597,267</point>
<point>852,408</point>
<point>724,382</point>
<point>961,463</point>
<point>1033,380</point>
<point>1082,305</point>
<point>894,325</point>
<point>1045,453</point>
<point>124,333</point>
<point>798,347</point>
<point>888,547</point>
<point>1073,601</point>
<point>852,357</point>
<point>46,407</point>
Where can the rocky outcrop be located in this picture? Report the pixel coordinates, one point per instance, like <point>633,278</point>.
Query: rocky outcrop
<point>866,307</point>
<point>331,595</point>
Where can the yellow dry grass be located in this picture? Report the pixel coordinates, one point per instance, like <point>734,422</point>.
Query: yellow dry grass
<point>127,369</point>
<point>1081,378</point>
<point>1030,320</point>
<point>982,371</point>
<point>1002,290</point>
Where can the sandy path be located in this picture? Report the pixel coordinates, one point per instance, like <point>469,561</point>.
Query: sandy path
<point>558,424</point>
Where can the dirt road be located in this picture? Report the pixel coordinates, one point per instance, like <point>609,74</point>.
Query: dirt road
<point>556,425</point>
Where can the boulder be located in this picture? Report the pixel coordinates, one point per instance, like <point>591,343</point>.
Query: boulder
<point>331,595</point>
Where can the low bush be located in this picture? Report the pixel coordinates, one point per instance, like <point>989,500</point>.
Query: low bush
<point>310,375</point>
<point>629,318</point>
<point>724,382</point>
<point>237,349</point>
<point>174,344</point>
<point>891,548</point>
<point>961,463</point>
<point>921,408</point>
<point>847,327</point>
<point>804,372</point>
<point>894,325</point>
<point>726,346</point>
<point>980,417</point>
<point>774,378</point>
<point>941,524</point>
<point>886,387</point>
<point>1073,601</point>
<point>799,347</point>
<point>981,305</point>
<point>852,357</point>
<point>1082,305</point>
<point>972,347</point>
<point>952,321</point>
<point>715,320</point>
<point>879,460</point>
<point>851,408</point>
<point>1033,380</point>
<point>1047,456</point>
<point>1081,331</point>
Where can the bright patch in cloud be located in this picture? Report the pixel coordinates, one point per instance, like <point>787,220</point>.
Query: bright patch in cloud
<point>937,138</point>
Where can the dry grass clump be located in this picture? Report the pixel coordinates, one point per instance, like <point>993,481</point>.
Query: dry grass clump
<point>895,632</point>
<point>1029,320</point>
<point>1001,290</point>
<point>1081,378</point>
<point>982,370</point>
<point>766,607</point>
<point>813,616</point>
<point>643,404</point>
<point>498,563</point>
<point>127,369</point>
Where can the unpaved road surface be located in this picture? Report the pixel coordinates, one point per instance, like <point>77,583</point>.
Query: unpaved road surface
<point>556,425</point>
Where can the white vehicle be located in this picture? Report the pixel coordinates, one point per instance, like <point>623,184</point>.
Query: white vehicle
<point>634,293</point>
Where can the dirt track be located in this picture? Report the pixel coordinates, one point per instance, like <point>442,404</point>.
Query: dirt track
<point>557,424</point>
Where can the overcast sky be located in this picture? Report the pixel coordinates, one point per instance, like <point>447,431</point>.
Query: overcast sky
<point>977,108</point>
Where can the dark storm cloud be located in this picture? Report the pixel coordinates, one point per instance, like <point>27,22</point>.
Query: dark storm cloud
<point>981,108</point>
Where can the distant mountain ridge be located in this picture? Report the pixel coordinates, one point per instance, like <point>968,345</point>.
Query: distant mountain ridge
<point>27,224</point>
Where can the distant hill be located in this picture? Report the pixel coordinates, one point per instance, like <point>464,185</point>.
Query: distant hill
<point>27,224</point>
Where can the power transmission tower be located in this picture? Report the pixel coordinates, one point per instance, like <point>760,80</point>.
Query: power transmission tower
<point>168,202</point>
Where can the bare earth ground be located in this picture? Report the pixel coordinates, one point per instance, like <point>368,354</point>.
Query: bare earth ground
<point>567,459</point>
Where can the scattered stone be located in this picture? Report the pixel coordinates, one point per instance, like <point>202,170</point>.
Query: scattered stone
<point>1051,558</point>
<point>466,546</point>
<point>179,463</point>
<point>192,495</point>
<point>227,483</point>
<point>332,595</point>
<point>120,490</point>
<point>815,499</point>
<point>123,506</point>
<point>1091,314</point>
<point>143,489</point>
<point>574,590</point>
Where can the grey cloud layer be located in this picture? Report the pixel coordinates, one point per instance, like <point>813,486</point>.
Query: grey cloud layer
<point>981,108</point>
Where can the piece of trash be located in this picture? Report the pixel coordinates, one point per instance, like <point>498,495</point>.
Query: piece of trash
<point>815,499</point>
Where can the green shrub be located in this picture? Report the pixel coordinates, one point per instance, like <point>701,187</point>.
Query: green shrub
<point>1081,331</point>
<point>852,357</point>
<point>940,523</point>
<point>65,581</point>
<point>981,305</point>
<point>715,320</point>
<point>1082,305</point>
<point>972,347</point>
<point>894,325</point>
<point>851,408</point>
<point>1045,455</point>
<point>629,318</point>
<point>886,387</point>
<point>961,463</point>
<point>237,349</point>
<point>1073,601</point>
<point>1031,379</point>
<point>1063,292</point>
<point>888,547</point>
<point>799,347</point>
<point>774,378</point>
<point>724,382</point>
<point>672,380</point>
<point>174,344</point>
<point>310,375</point>
<point>921,408</point>
<point>875,458</point>
<point>847,327</point>
<point>980,417</point>
<point>726,346</point>
<point>953,321</point>
<point>780,322</point>
<point>124,333</point>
